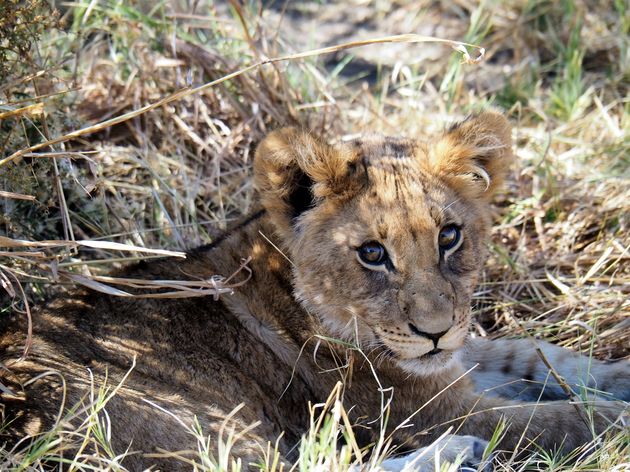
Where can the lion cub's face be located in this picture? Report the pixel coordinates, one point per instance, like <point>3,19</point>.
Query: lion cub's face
<point>387,235</point>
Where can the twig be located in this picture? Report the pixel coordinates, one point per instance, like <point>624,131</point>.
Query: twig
<point>187,91</point>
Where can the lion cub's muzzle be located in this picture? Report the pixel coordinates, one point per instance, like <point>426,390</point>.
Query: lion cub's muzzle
<point>433,337</point>
<point>414,342</point>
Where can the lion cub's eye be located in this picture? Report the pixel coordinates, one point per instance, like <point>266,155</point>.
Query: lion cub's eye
<point>449,237</point>
<point>372,253</point>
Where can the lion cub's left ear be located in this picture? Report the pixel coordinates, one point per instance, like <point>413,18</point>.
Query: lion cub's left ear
<point>294,171</point>
<point>473,157</point>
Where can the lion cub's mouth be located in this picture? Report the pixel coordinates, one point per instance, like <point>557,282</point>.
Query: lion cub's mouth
<point>430,356</point>
<point>435,355</point>
<point>432,352</point>
<point>428,363</point>
<point>405,354</point>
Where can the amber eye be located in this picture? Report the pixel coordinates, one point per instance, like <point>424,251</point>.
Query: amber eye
<point>372,253</point>
<point>449,237</point>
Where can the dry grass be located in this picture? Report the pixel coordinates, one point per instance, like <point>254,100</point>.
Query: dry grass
<point>147,178</point>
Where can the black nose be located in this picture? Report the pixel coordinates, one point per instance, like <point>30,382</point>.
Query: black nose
<point>435,337</point>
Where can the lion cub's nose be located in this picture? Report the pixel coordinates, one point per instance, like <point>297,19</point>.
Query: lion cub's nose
<point>435,337</point>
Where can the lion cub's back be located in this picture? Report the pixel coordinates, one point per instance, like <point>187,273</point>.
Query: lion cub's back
<point>192,357</point>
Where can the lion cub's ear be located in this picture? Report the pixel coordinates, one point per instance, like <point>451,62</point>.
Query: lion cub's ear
<point>474,156</point>
<point>294,170</point>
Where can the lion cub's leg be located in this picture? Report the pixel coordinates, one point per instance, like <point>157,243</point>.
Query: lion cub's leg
<point>556,425</point>
<point>512,368</point>
<point>465,450</point>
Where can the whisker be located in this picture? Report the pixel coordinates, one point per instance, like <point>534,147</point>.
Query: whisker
<point>443,210</point>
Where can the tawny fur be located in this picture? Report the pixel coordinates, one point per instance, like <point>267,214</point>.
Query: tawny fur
<point>267,345</point>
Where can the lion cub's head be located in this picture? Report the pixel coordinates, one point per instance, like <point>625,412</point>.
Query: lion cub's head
<point>387,235</point>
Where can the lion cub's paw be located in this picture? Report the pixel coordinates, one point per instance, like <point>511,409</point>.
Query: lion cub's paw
<point>464,450</point>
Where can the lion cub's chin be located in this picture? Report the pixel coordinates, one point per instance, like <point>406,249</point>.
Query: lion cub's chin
<point>429,365</point>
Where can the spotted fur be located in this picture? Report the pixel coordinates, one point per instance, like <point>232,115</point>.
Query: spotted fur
<point>513,368</point>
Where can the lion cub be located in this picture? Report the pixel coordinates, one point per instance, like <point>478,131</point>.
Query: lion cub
<point>377,242</point>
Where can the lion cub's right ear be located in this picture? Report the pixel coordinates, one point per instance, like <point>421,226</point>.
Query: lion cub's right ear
<point>474,156</point>
<point>294,170</point>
